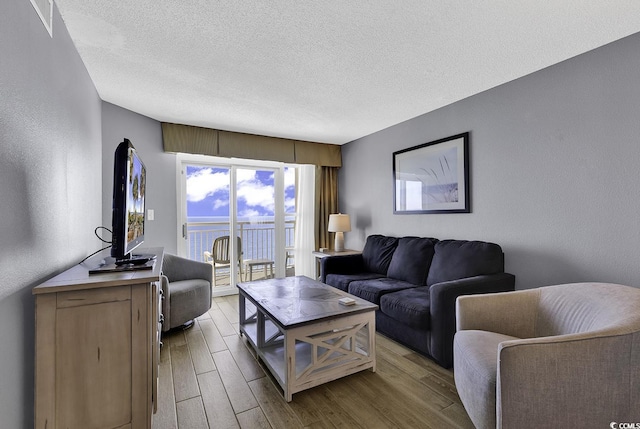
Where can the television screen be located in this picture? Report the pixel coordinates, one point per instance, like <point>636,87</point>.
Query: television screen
<point>129,186</point>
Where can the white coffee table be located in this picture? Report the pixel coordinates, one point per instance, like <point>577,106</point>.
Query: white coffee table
<point>303,335</point>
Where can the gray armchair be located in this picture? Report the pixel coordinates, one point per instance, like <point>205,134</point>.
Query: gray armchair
<point>556,356</point>
<point>186,285</point>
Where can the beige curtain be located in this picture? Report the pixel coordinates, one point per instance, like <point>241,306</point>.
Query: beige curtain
<point>326,203</point>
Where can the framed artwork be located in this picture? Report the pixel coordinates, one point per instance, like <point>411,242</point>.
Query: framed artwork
<point>432,177</point>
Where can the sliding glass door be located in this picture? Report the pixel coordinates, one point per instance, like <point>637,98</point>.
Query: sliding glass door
<point>253,202</point>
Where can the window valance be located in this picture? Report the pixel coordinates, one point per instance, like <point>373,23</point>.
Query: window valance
<point>206,141</point>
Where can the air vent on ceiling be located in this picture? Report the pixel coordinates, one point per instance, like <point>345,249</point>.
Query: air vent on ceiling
<point>45,12</point>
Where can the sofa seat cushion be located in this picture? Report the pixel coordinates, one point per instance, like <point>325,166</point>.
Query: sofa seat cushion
<point>409,306</point>
<point>475,359</point>
<point>373,290</point>
<point>342,281</point>
<point>412,259</point>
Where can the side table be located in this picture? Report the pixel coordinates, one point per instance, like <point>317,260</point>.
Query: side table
<point>250,263</point>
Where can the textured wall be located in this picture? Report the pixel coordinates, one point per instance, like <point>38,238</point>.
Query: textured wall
<point>555,168</point>
<point>146,136</point>
<point>50,183</point>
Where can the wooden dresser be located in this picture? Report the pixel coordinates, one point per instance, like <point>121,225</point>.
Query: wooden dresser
<point>98,348</point>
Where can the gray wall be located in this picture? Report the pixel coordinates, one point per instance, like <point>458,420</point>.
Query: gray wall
<point>50,183</point>
<point>146,136</point>
<point>555,171</point>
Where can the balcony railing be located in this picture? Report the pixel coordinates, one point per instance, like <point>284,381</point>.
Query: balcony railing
<point>258,239</point>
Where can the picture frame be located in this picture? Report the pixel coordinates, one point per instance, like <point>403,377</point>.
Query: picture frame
<point>433,177</point>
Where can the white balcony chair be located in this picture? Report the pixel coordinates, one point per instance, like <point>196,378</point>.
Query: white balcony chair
<point>220,255</point>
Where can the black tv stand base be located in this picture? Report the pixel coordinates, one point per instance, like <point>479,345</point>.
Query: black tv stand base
<point>135,259</point>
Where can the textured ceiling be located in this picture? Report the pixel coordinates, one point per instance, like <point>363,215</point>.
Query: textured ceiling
<point>326,71</point>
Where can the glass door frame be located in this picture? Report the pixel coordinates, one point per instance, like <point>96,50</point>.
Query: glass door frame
<point>233,164</point>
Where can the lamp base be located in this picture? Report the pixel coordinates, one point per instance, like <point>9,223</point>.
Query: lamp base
<point>339,242</point>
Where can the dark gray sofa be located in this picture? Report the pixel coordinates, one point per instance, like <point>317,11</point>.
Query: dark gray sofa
<point>416,281</point>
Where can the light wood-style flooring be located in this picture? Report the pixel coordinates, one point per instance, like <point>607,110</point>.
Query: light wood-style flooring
<point>209,378</point>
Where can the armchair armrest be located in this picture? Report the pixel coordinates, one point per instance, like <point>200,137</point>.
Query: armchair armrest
<point>443,308</point>
<point>177,269</point>
<point>508,313</point>
<point>347,264</point>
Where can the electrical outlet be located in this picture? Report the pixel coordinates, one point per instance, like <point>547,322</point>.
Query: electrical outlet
<point>150,214</point>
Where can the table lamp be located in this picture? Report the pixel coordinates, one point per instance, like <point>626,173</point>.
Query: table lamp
<point>339,223</point>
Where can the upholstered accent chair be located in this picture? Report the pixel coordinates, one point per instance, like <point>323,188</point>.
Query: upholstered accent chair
<point>186,287</point>
<point>557,356</point>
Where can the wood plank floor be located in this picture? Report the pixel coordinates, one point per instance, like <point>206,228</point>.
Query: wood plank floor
<point>210,378</point>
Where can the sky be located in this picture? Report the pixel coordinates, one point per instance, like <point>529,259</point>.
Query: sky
<point>208,192</point>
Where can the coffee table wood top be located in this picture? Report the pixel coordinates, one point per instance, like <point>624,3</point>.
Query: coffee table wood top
<point>295,301</point>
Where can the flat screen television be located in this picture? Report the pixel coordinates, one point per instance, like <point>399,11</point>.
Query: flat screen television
<point>127,218</point>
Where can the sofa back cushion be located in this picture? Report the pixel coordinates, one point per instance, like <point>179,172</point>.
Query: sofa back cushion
<point>377,253</point>
<point>412,259</point>
<point>458,259</point>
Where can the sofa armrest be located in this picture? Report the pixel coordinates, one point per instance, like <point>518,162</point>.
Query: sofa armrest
<point>443,297</point>
<point>507,313</point>
<point>528,369</point>
<point>177,268</point>
<point>346,264</point>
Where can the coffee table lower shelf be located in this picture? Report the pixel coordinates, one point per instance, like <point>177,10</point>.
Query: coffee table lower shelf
<point>306,356</point>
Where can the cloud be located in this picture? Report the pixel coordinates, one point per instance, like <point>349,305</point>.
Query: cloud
<point>289,177</point>
<point>255,189</point>
<point>255,193</point>
<point>205,182</point>
<point>245,175</point>
<point>220,203</point>
<point>249,213</point>
<point>289,205</point>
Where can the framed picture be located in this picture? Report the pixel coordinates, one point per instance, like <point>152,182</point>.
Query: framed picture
<point>432,177</point>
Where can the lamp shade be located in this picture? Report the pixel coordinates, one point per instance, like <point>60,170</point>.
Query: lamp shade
<point>339,223</point>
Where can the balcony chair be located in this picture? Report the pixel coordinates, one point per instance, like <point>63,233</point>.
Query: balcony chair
<point>220,255</point>
<point>553,357</point>
<point>186,288</point>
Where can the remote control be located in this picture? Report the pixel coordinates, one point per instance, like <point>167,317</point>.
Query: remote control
<point>347,301</point>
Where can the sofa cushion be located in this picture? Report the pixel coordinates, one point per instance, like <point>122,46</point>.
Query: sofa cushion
<point>411,260</point>
<point>342,281</point>
<point>457,259</point>
<point>377,253</point>
<point>409,306</point>
<point>372,290</point>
